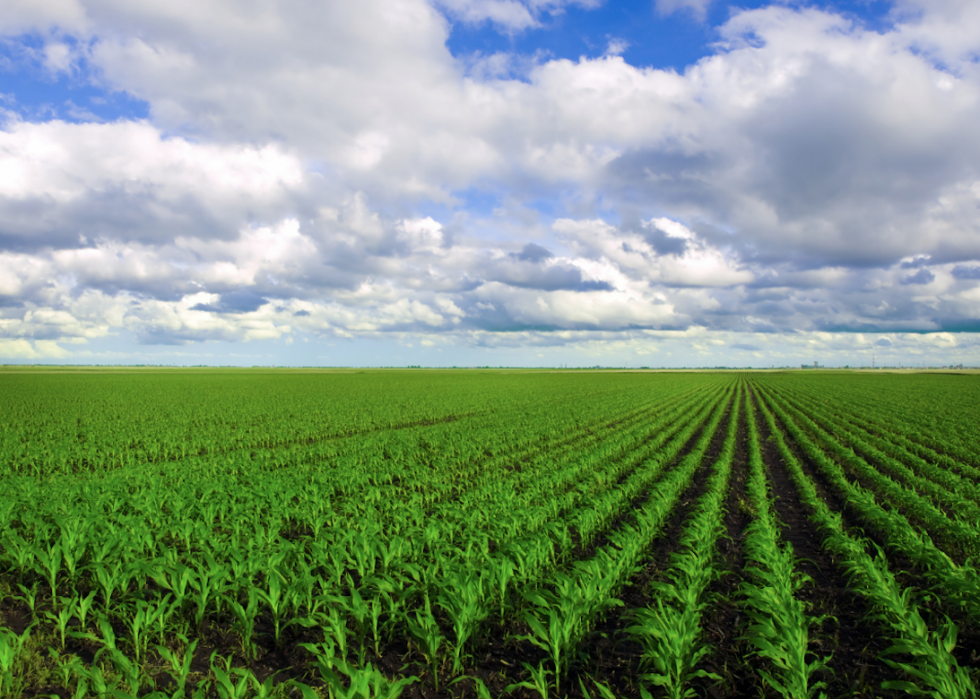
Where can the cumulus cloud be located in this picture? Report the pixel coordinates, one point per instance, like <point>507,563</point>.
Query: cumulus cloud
<point>126,180</point>
<point>309,170</point>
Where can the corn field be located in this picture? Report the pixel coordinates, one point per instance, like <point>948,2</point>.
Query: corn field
<point>250,533</point>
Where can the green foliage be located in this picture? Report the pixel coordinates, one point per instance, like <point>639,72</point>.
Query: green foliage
<point>147,514</point>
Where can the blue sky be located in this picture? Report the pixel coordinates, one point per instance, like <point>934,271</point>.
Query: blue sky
<point>658,39</point>
<point>503,182</point>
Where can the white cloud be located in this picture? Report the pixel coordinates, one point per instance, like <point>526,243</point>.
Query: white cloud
<point>293,159</point>
<point>126,180</point>
<point>26,15</point>
<point>22,349</point>
<point>58,57</point>
<point>421,233</point>
<point>698,8</point>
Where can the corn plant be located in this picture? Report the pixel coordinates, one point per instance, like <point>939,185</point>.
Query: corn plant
<point>230,682</point>
<point>464,600</point>
<point>245,622</point>
<point>363,683</point>
<point>561,617</point>
<point>180,663</point>
<point>539,681</point>
<point>12,681</point>
<point>425,631</point>
<point>28,597</point>
<point>92,681</point>
<point>60,618</point>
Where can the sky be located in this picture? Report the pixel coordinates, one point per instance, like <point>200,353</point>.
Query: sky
<point>659,183</point>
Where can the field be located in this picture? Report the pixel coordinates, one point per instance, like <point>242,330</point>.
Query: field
<point>235,533</point>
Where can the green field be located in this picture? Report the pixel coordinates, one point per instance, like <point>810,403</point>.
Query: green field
<point>305,533</point>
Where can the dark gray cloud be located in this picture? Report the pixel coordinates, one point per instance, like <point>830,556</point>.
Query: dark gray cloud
<point>244,301</point>
<point>923,276</point>
<point>917,262</point>
<point>533,253</point>
<point>664,244</point>
<point>966,272</point>
<point>545,278</point>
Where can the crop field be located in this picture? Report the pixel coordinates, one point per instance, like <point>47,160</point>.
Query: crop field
<point>261,533</point>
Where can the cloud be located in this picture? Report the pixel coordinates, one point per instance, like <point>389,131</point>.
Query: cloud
<point>966,272</point>
<point>40,349</point>
<point>126,181</point>
<point>697,8</point>
<point>233,302</point>
<point>313,170</point>
<point>533,253</point>
<point>923,276</point>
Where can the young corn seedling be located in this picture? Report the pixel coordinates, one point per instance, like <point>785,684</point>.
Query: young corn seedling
<point>138,624</point>
<point>11,645</point>
<point>245,622</point>
<point>83,607</point>
<point>29,597</point>
<point>225,682</point>
<point>92,681</point>
<point>463,601</point>
<point>159,615</point>
<point>62,617</point>
<point>561,617</point>
<point>539,680</point>
<point>174,576</point>
<point>773,615</point>
<point>264,689</point>
<point>274,599</point>
<point>362,683</point>
<point>333,623</point>
<point>74,542</point>
<point>50,564</point>
<point>180,664</point>
<point>131,672</point>
<point>669,636</point>
<point>604,691</point>
<point>425,630</point>
<point>365,616</point>
<point>110,579</point>
<point>208,585</point>
<point>503,573</point>
<point>20,551</point>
